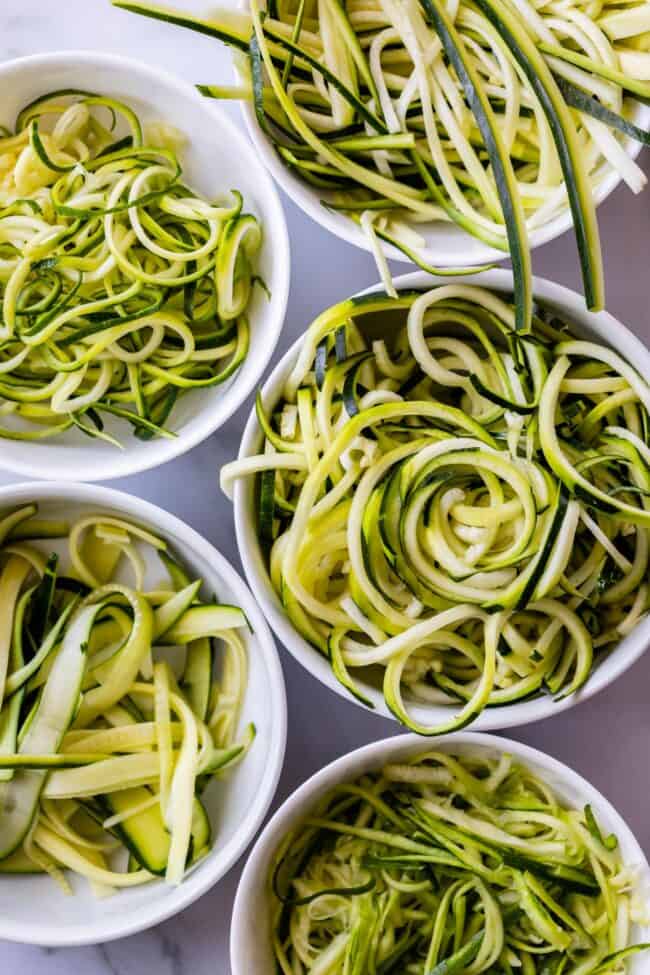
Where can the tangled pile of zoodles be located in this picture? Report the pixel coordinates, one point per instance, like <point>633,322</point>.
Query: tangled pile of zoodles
<point>121,289</point>
<point>449,864</point>
<point>119,703</point>
<point>493,114</point>
<point>452,505</point>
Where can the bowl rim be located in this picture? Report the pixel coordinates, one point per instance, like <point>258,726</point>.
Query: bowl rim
<point>341,226</point>
<point>197,883</point>
<point>211,416</point>
<point>255,570</point>
<point>373,755</point>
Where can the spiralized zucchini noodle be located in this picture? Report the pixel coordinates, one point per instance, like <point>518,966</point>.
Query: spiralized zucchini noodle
<point>495,115</point>
<point>121,288</point>
<point>119,703</point>
<point>452,864</point>
<point>452,509</point>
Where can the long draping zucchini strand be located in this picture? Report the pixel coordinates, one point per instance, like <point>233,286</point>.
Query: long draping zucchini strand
<point>495,115</point>
<point>121,287</point>
<point>449,864</point>
<point>452,505</point>
<point>119,704</point>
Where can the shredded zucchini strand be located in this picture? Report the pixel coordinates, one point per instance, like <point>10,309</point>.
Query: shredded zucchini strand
<point>121,287</point>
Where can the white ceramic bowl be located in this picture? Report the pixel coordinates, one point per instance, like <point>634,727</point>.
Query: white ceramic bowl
<point>32,908</point>
<point>602,327</point>
<point>217,157</point>
<point>250,943</point>
<point>446,244</point>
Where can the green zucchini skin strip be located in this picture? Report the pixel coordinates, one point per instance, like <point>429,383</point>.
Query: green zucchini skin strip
<point>19,797</point>
<point>39,148</point>
<point>584,102</point>
<point>179,19</point>
<point>28,111</point>
<point>49,761</point>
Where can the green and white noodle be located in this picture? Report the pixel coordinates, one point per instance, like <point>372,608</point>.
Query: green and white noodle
<point>451,864</point>
<point>121,288</point>
<point>454,508</point>
<point>495,115</point>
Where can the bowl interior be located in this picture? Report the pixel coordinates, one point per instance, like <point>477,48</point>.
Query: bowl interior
<point>446,245</point>
<point>601,327</point>
<point>251,949</point>
<point>216,158</point>
<point>32,908</point>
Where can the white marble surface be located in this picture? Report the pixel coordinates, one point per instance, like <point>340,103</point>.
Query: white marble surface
<point>606,739</point>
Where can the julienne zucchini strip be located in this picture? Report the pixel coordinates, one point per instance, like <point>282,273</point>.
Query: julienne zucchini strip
<point>452,505</point>
<point>121,288</point>
<point>578,187</point>
<point>119,703</point>
<point>503,105</point>
<point>448,863</point>
<point>504,176</point>
<point>577,98</point>
<point>230,35</point>
<point>639,88</point>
